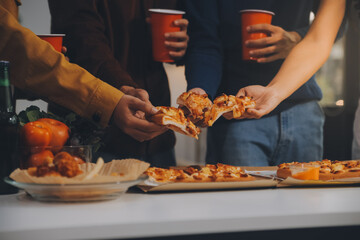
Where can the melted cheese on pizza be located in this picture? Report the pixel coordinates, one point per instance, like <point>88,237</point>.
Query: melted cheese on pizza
<point>213,173</point>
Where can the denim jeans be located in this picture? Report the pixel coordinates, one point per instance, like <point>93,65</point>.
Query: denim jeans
<point>296,134</point>
<point>356,140</point>
<point>162,159</point>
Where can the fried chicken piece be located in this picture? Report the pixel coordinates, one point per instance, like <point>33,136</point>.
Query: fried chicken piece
<point>43,171</point>
<point>66,165</point>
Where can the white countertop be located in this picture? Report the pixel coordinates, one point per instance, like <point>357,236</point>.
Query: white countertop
<point>162,214</point>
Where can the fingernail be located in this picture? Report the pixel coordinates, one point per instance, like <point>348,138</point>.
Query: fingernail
<point>154,110</point>
<point>248,28</point>
<point>176,22</point>
<point>251,52</point>
<point>247,43</point>
<point>166,43</point>
<point>167,35</point>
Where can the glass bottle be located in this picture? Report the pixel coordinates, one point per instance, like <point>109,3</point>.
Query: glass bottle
<point>9,125</point>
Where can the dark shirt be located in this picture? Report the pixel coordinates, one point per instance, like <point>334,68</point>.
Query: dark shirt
<point>214,61</point>
<point>112,40</point>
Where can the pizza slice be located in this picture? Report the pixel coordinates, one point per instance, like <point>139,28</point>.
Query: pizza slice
<point>209,173</point>
<point>195,106</point>
<point>174,119</point>
<point>228,103</point>
<point>328,170</point>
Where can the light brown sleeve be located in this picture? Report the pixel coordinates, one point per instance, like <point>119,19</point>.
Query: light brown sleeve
<point>36,67</point>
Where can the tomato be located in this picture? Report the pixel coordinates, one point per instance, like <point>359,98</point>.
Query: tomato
<point>41,158</point>
<point>36,134</point>
<point>60,132</point>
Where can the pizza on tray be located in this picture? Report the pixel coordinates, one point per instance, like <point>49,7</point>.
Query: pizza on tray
<point>174,119</point>
<point>208,173</point>
<point>328,170</point>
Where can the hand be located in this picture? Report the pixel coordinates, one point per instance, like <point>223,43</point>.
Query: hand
<point>266,99</point>
<point>138,93</point>
<point>64,51</point>
<point>140,129</point>
<point>178,41</point>
<point>198,91</point>
<point>277,46</point>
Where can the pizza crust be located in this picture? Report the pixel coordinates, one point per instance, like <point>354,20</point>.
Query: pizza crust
<point>175,120</point>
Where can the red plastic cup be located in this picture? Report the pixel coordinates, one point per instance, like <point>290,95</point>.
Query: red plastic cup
<point>251,17</point>
<point>55,40</point>
<point>162,21</point>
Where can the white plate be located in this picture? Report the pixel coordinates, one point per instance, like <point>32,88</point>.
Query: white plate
<point>76,192</point>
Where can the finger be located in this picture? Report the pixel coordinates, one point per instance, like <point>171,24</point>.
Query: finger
<point>179,54</point>
<point>178,35</point>
<point>262,42</point>
<point>198,91</point>
<point>263,51</point>
<point>228,115</point>
<point>241,93</point>
<point>140,115</point>
<point>269,59</point>
<point>63,50</point>
<point>182,23</point>
<point>142,94</point>
<point>177,45</point>
<point>146,107</point>
<point>126,89</point>
<point>255,113</point>
<point>263,27</point>
<point>144,125</point>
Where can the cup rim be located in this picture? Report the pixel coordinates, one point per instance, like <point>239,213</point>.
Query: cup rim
<point>166,11</point>
<point>51,35</point>
<point>256,10</point>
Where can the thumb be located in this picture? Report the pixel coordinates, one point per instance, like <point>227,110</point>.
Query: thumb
<point>241,93</point>
<point>146,107</point>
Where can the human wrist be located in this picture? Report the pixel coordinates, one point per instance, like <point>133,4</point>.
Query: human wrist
<point>278,93</point>
<point>294,37</point>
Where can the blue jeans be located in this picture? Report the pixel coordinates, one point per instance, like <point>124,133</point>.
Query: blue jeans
<point>296,134</point>
<point>162,159</point>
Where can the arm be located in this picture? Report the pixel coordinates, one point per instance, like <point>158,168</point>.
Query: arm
<point>37,67</point>
<point>87,39</point>
<point>280,42</point>
<point>302,62</point>
<point>203,64</point>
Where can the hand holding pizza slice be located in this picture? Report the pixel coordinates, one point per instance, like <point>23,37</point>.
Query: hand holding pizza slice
<point>174,119</point>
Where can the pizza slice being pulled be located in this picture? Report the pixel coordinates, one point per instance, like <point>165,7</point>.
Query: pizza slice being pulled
<point>174,119</point>
<point>229,103</point>
<point>195,107</point>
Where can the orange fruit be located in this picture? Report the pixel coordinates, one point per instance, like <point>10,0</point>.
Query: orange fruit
<point>311,173</point>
